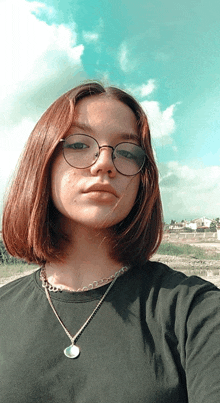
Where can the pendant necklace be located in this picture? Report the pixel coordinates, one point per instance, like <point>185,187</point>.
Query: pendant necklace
<point>73,351</point>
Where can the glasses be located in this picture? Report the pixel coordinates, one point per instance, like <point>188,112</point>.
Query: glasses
<point>82,151</point>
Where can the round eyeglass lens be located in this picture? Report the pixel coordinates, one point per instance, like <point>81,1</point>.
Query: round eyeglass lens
<point>128,158</point>
<point>82,151</point>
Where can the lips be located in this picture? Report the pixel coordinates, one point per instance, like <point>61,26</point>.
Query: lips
<point>101,187</point>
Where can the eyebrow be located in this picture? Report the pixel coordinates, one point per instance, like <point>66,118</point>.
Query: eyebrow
<point>123,136</point>
<point>81,126</point>
<point>129,136</point>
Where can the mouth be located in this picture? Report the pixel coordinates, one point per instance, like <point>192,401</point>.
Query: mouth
<point>102,188</point>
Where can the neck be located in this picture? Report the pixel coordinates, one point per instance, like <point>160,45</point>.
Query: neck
<point>87,260</point>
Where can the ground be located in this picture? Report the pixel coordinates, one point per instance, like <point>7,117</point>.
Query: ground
<point>207,269</point>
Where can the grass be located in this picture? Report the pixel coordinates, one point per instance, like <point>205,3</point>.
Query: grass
<point>13,269</point>
<point>11,266</point>
<point>187,251</point>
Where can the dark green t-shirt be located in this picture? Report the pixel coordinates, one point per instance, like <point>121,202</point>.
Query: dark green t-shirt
<point>155,339</point>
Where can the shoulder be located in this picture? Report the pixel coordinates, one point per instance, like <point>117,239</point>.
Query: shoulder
<point>182,314</point>
<point>162,276</point>
<point>15,289</point>
<point>171,290</point>
<point>177,298</point>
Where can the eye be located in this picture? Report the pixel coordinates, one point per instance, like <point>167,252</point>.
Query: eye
<point>126,154</point>
<point>77,146</point>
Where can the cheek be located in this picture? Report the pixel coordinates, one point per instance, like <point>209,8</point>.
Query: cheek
<point>130,193</point>
<point>61,186</point>
<point>58,190</point>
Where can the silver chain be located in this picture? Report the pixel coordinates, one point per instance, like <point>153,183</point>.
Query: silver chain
<point>94,284</point>
<point>75,337</point>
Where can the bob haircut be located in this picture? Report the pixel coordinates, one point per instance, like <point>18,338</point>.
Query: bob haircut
<point>30,220</point>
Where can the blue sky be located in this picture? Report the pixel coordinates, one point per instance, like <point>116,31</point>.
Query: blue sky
<point>165,53</point>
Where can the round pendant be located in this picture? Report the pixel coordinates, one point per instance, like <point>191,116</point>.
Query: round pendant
<point>72,351</point>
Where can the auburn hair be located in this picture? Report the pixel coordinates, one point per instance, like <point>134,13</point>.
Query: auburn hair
<point>30,225</point>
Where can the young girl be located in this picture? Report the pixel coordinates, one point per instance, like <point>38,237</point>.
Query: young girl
<point>98,322</point>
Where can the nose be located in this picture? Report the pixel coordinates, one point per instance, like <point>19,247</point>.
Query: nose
<point>104,162</point>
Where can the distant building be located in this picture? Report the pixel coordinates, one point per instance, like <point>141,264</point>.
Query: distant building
<point>201,222</point>
<point>218,232</point>
<point>192,225</point>
<point>178,226</point>
<point>198,223</point>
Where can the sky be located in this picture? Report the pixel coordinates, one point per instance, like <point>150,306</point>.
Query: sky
<point>165,53</point>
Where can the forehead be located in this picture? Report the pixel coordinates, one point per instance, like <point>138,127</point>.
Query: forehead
<point>104,110</point>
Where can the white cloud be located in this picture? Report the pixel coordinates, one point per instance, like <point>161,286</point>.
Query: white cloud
<point>33,49</point>
<point>162,124</point>
<point>41,61</point>
<point>142,91</point>
<point>147,89</point>
<point>123,57</point>
<point>12,143</point>
<point>190,192</point>
<point>39,8</point>
<point>126,62</point>
<point>90,37</point>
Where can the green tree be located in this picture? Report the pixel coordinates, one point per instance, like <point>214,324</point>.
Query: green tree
<point>213,226</point>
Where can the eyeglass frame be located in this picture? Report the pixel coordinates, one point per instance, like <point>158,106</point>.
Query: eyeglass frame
<point>113,149</point>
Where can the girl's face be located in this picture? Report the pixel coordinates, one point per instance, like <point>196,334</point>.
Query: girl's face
<point>98,196</point>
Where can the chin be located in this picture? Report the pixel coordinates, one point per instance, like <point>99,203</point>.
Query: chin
<point>94,219</point>
<point>105,223</point>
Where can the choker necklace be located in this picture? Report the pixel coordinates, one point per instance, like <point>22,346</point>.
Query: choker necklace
<point>73,350</point>
<point>94,284</point>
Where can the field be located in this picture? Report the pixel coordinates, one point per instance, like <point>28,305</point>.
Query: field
<point>193,257</point>
<point>9,272</point>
